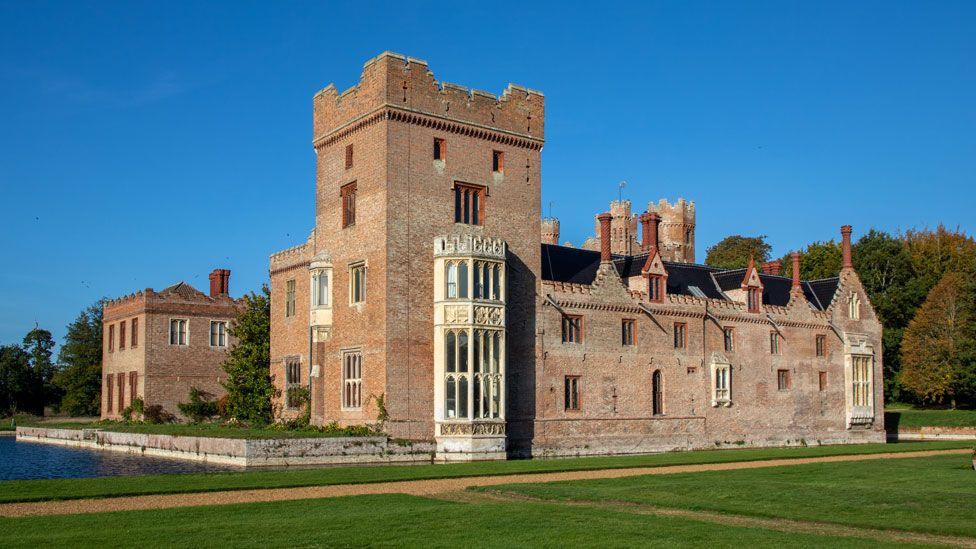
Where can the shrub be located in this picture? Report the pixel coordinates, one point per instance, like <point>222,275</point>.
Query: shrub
<point>155,414</point>
<point>201,406</point>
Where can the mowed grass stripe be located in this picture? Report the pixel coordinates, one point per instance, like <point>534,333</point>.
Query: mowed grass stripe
<point>63,489</point>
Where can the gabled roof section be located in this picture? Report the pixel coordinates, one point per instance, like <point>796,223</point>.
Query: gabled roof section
<point>185,291</point>
<point>564,264</point>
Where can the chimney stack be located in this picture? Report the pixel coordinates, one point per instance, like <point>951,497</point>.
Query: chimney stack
<point>772,267</point>
<point>219,282</point>
<point>796,269</point>
<point>604,220</point>
<point>845,247</point>
<point>649,239</point>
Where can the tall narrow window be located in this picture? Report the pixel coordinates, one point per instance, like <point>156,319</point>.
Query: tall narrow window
<point>821,345</point>
<point>754,298</point>
<point>293,381</point>
<point>497,161</point>
<point>861,380</point>
<point>352,380</point>
<point>722,384</point>
<point>177,331</point>
<point>122,335</point>
<point>571,399</point>
<point>120,383</point>
<point>456,378</point>
<point>627,331</point>
<point>572,329</point>
<point>440,149</point>
<point>348,156</point>
<point>290,298</point>
<point>823,381</point>
<point>357,283</point>
<point>496,282</point>
<point>679,335</point>
<point>133,386</point>
<point>218,333</point>
<point>773,343</point>
<point>135,332</point>
<point>655,288</point>
<point>729,336</point>
<point>450,277</point>
<point>321,285</point>
<point>783,380</point>
<point>854,306</point>
<point>108,392</point>
<point>111,337</point>
<point>469,204</point>
<point>347,194</point>
<point>657,391</point>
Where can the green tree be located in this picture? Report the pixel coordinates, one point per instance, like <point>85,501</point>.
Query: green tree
<point>734,251</point>
<point>939,347</point>
<point>15,380</point>
<point>818,260</point>
<point>80,376</point>
<point>935,253</point>
<point>39,345</point>
<point>250,391</point>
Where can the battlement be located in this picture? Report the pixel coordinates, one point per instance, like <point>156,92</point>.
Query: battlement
<point>290,257</point>
<point>404,83</point>
<point>681,211</point>
<point>620,208</point>
<point>550,230</point>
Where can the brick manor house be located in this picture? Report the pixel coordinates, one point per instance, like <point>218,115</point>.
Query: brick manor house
<point>430,292</point>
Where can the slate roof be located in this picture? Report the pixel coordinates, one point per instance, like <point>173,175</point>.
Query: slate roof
<point>579,266</point>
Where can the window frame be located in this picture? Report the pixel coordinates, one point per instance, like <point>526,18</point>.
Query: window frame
<point>291,291</point>
<point>293,365</point>
<point>220,335</point>
<point>348,156</point>
<point>680,335</point>
<point>854,306</point>
<point>572,400</point>
<point>111,338</point>
<point>317,294</point>
<point>347,201</point>
<point>656,288</point>
<point>134,327</point>
<point>469,203</point>
<point>820,345</point>
<point>753,299</point>
<point>497,161</point>
<point>357,297</point>
<point>728,339</point>
<point>721,393</point>
<point>185,332</point>
<point>823,379</point>
<point>784,380</point>
<point>657,392</point>
<point>122,335</point>
<point>774,340</point>
<point>440,149</point>
<point>351,387</point>
<point>572,329</point>
<point>628,332</point>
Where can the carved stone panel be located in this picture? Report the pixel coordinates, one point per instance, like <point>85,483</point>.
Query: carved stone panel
<point>456,314</point>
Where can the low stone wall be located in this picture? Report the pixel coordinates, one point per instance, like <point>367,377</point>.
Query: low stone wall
<point>241,452</point>
<point>933,433</point>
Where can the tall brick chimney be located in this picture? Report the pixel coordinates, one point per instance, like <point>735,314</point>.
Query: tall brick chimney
<point>796,269</point>
<point>774,267</point>
<point>604,220</point>
<point>219,282</point>
<point>649,227</point>
<point>845,247</point>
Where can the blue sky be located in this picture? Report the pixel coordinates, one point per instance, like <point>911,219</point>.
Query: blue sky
<point>145,143</point>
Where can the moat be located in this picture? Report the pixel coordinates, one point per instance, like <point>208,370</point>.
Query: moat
<point>31,460</point>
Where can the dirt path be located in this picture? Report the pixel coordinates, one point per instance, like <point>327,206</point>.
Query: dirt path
<point>413,487</point>
<point>778,524</point>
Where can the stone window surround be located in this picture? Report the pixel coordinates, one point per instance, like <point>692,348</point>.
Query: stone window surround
<point>719,399</point>
<point>226,334</point>
<point>353,266</point>
<point>354,403</point>
<point>186,331</point>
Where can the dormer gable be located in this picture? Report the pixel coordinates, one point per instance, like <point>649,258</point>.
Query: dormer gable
<point>657,277</point>
<point>752,286</point>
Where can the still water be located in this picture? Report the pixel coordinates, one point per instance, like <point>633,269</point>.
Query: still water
<point>30,460</point>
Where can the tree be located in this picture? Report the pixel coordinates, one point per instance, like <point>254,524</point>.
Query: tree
<point>15,380</point>
<point>734,251</point>
<point>818,260</point>
<point>250,390</point>
<point>39,344</point>
<point>80,376</point>
<point>938,355</point>
<point>935,253</point>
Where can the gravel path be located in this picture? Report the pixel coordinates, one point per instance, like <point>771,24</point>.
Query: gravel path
<point>413,487</point>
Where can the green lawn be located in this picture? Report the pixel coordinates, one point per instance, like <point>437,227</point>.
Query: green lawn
<point>36,490</point>
<point>934,494</point>
<point>899,418</point>
<point>390,520</point>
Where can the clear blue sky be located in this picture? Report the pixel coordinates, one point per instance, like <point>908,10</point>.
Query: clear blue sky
<point>145,143</point>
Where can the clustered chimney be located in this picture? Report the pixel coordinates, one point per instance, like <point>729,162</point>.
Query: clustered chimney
<point>604,220</point>
<point>845,246</point>
<point>649,225</point>
<point>772,267</point>
<point>219,282</point>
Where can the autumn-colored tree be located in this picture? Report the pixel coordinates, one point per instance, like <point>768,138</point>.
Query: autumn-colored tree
<point>938,355</point>
<point>935,253</point>
<point>734,251</point>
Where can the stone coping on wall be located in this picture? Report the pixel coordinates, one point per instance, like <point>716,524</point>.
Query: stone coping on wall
<point>933,433</point>
<point>240,452</point>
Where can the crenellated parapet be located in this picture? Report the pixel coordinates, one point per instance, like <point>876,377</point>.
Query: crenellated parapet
<point>676,231</point>
<point>406,86</point>
<point>469,245</point>
<point>289,258</point>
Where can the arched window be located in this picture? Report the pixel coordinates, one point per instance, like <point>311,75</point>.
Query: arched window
<point>657,388</point>
<point>463,279</point>
<point>854,307</point>
<point>456,378</point>
<point>451,276</point>
<point>496,282</point>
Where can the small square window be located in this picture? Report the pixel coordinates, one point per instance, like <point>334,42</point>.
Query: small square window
<point>348,156</point>
<point>572,329</point>
<point>627,331</point>
<point>497,161</point>
<point>783,380</point>
<point>571,400</point>
<point>440,149</point>
<point>679,335</point>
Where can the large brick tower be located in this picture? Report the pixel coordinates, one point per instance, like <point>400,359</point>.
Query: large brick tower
<point>403,161</point>
<point>677,229</point>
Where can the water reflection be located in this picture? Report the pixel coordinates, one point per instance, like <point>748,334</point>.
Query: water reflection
<point>33,460</point>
